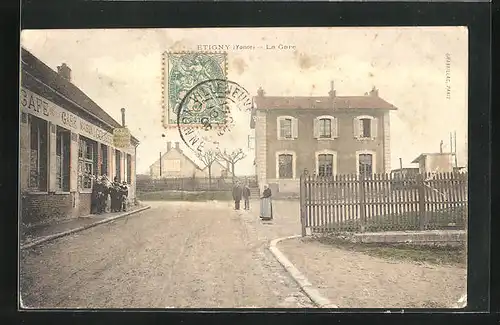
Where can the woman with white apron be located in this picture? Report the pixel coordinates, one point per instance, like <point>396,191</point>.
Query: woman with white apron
<point>266,205</point>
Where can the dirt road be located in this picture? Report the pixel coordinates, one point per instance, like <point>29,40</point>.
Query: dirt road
<point>177,254</point>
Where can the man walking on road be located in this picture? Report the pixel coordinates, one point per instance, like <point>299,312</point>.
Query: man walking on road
<point>246,196</point>
<point>237,193</point>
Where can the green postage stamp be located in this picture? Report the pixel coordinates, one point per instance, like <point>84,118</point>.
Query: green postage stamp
<point>181,73</point>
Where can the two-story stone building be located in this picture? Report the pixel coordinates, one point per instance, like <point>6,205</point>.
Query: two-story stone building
<point>66,140</point>
<point>327,135</point>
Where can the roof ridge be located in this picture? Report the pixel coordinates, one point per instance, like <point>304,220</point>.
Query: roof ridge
<point>66,85</point>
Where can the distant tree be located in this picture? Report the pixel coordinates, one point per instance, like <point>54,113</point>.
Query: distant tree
<point>208,157</point>
<point>232,158</point>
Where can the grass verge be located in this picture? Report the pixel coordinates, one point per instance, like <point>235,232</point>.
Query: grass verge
<point>452,256</point>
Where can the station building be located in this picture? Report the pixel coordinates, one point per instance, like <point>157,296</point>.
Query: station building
<point>66,140</point>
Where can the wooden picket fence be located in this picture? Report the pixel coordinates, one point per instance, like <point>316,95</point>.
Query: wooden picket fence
<point>383,203</point>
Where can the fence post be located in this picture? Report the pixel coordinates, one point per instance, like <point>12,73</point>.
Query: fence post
<point>421,202</point>
<point>362,202</point>
<point>302,209</point>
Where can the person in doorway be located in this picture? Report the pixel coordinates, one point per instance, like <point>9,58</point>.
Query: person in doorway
<point>246,196</point>
<point>266,205</point>
<point>237,193</point>
<point>102,195</point>
<point>115,193</point>
<point>123,196</point>
<point>94,200</point>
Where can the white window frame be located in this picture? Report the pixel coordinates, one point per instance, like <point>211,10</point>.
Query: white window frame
<point>373,130</point>
<point>374,160</point>
<point>327,152</point>
<point>294,163</point>
<point>334,127</point>
<point>83,161</point>
<point>294,130</point>
<point>60,176</point>
<point>38,188</point>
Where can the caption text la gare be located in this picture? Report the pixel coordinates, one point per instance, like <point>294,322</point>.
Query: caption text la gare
<point>227,47</point>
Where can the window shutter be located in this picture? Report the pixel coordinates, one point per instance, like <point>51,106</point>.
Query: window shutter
<point>374,128</point>
<point>295,128</point>
<point>335,132</point>
<point>316,128</point>
<point>278,127</point>
<point>357,128</point>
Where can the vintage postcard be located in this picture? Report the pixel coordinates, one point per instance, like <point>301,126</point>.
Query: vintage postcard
<point>244,168</point>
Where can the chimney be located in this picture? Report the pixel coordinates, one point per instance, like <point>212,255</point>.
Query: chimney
<point>64,71</point>
<point>177,145</point>
<point>332,91</point>
<point>123,117</point>
<point>169,146</point>
<point>260,92</point>
<point>374,92</point>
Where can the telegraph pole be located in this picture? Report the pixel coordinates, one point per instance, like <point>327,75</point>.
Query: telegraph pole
<point>456,160</point>
<point>160,164</point>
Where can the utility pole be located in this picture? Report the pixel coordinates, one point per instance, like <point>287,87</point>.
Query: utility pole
<point>451,144</point>
<point>456,160</point>
<point>160,164</point>
<point>401,164</point>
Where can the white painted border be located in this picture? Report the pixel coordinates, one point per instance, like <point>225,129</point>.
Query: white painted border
<point>301,280</point>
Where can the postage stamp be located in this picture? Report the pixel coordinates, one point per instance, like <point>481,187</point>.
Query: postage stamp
<point>181,72</point>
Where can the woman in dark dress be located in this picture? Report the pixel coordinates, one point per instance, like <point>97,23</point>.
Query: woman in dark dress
<point>266,205</point>
<point>115,195</point>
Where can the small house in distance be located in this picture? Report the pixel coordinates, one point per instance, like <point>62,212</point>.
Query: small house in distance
<point>435,162</point>
<point>176,164</point>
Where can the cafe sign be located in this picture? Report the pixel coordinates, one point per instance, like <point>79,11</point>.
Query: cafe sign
<point>121,138</point>
<point>38,106</point>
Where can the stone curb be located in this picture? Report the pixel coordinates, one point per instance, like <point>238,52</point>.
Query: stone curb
<point>72,231</point>
<point>301,280</point>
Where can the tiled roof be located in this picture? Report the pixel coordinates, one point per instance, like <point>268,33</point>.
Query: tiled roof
<point>322,102</point>
<point>51,78</point>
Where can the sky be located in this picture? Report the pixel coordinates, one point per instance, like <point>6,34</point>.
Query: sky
<point>421,70</point>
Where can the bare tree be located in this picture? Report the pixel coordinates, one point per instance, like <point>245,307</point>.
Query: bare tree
<point>232,158</point>
<point>208,157</point>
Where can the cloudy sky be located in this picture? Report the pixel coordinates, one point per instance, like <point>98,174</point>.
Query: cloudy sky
<point>122,68</point>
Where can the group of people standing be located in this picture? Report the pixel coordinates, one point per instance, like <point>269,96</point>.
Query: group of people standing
<point>243,192</point>
<point>116,191</point>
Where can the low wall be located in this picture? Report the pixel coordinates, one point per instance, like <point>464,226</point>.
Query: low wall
<point>430,237</point>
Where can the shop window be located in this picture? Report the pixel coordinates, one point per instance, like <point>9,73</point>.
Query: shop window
<point>87,163</point>
<point>118,168</point>
<point>129,169</point>
<point>38,154</point>
<point>104,160</point>
<point>63,149</point>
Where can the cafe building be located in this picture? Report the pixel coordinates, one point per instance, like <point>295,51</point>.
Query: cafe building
<point>66,140</point>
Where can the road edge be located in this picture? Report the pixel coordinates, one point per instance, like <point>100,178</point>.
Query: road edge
<point>302,281</point>
<point>75,230</point>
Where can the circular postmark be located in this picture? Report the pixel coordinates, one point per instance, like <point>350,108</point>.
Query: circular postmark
<point>212,115</point>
